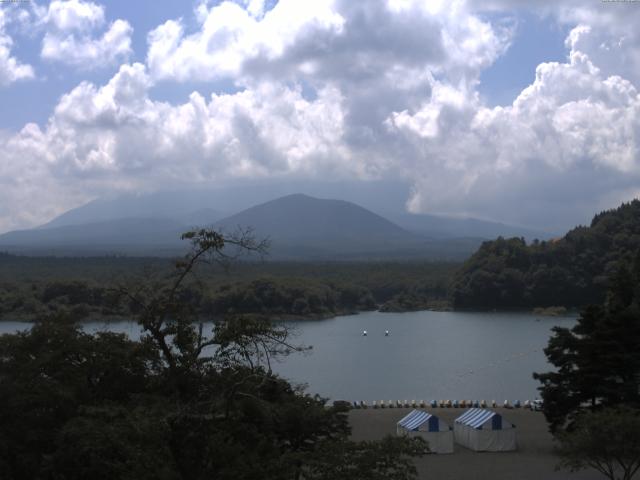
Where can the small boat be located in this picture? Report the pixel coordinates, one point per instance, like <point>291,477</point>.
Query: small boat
<point>517,404</point>
<point>374,404</point>
<point>456,404</point>
<point>433,404</point>
<point>422,404</point>
<point>391,404</point>
<point>476,404</point>
<point>382,405</point>
<point>483,404</point>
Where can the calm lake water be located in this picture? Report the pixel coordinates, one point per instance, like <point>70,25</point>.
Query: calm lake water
<point>427,355</point>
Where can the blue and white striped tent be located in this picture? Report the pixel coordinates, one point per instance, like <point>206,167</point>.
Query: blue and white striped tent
<point>484,431</point>
<point>423,424</point>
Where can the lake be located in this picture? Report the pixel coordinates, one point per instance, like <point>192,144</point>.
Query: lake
<point>427,355</point>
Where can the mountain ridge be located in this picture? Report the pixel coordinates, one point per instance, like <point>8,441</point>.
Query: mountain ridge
<point>300,226</point>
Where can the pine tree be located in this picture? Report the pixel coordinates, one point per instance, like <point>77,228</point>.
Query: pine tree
<point>598,360</point>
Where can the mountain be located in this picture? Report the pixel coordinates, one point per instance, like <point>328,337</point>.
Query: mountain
<point>196,207</point>
<point>302,226</point>
<point>179,206</point>
<point>299,227</point>
<point>571,271</point>
<point>305,218</point>
<point>439,226</point>
<point>133,236</point>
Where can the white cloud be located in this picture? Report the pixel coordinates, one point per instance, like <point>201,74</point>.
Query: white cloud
<point>330,89</point>
<point>567,141</point>
<point>70,36</point>
<point>114,136</point>
<point>229,34</point>
<point>11,69</point>
<point>71,15</point>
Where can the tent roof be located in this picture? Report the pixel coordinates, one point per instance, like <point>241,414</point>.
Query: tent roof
<point>476,417</point>
<point>415,419</point>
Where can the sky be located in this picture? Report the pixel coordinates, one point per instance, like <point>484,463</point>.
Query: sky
<point>521,112</point>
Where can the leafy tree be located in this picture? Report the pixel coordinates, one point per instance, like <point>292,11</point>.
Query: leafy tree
<point>181,403</point>
<point>570,271</point>
<point>49,373</point>
<point>597,361</point>
<point>607,440</point>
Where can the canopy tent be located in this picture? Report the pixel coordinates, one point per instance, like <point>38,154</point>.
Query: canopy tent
<point>484,431</point>
<point>431,428</point>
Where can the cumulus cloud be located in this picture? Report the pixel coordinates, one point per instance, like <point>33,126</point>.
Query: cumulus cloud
<point>114,136</point>
<point>11,69</point>
<point>342,89</point>
<point>564,145</point>
<point>229,33</point>
<point>71,35</point>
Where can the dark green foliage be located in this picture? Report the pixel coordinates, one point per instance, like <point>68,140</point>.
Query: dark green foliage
<point>598,360</point>
<point>607,440</point>
<point>571,271</point>
<point>50,373</point>
<point>182,403</point>
<point>284,297</point>
<point>82,288</point>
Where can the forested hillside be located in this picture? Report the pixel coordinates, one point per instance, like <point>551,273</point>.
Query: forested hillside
<point>571,271</point>
<point>85,288</point>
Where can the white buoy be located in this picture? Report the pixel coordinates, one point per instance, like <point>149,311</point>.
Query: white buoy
<point>364,333</point>
<point>386,333</point>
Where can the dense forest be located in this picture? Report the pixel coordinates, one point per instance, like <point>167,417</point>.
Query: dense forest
<point>571,271</point>
<point>87,288</point>
<point>183,402</point>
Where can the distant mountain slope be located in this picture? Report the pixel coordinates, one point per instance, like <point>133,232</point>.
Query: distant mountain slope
<point>438,226</point>
<point>130,235</point>
<point>181,206</point>
<point>571,271</point>
<point>194,207</point>
<point>300,227</point>
<point>300,216</point>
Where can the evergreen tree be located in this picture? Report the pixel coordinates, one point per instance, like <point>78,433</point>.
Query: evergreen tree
<point>598,360</point>
<point>181,404</point>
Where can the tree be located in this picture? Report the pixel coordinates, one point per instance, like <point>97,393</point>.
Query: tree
<point>607,440</point>
<point>598,360</point>
<point>49,374</point>
<point>181,403</point>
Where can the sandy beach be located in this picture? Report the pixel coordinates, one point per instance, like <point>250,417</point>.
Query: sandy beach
<point>534,459</point>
